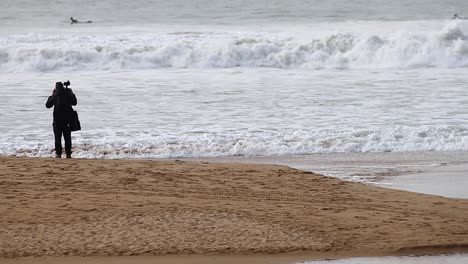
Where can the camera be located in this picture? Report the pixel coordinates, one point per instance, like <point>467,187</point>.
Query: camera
<point>66,84</point>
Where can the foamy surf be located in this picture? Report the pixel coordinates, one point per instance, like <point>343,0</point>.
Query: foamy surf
<point>314,48</point>
<point>158,144</point>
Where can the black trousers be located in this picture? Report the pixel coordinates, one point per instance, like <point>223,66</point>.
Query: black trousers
<point>59,130</point>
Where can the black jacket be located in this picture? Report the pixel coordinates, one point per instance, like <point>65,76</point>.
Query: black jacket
<point>62,102</point>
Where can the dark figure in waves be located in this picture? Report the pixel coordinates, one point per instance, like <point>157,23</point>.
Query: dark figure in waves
<point>62,100</point>
<point>74,21</point>
<point>456,16</point>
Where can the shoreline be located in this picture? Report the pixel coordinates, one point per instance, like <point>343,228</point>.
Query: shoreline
<point>280,258</point>
<point>435,173</point>
<point>171,208</point>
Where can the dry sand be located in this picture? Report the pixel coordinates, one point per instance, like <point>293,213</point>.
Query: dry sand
<point>211,211</point>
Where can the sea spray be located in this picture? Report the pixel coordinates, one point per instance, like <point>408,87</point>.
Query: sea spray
<point>443,48</point>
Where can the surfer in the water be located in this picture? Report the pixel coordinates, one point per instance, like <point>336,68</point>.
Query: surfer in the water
<point>456,16</point>
<point>74,21</point>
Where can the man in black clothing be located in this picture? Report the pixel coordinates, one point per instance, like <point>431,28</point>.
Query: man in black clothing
<point>62,99</point>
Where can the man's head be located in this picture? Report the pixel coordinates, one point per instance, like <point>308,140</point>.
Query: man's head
<point>58,87</point>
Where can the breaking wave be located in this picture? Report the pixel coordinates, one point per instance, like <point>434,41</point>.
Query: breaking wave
<point>138,144</point>
<point>445,48</point>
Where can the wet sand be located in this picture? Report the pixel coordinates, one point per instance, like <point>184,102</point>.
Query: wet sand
<point>436,173</point>
<point>201,211</point>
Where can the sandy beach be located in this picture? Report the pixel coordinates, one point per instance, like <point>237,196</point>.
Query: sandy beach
<point>91,211</point>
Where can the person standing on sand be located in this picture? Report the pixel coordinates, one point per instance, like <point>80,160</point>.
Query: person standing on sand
<point>62,99</point>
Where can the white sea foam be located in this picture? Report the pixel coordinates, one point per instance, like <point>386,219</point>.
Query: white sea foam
<point>445,47</point>
<point>138,144</point>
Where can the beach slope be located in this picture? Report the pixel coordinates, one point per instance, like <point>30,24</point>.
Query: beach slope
<point>77,207</point>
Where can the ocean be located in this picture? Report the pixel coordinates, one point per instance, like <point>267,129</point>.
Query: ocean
<point>158,79</point>
<point>243,79</point>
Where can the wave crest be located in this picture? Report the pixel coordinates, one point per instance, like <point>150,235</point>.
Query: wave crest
<point>445,48</point>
